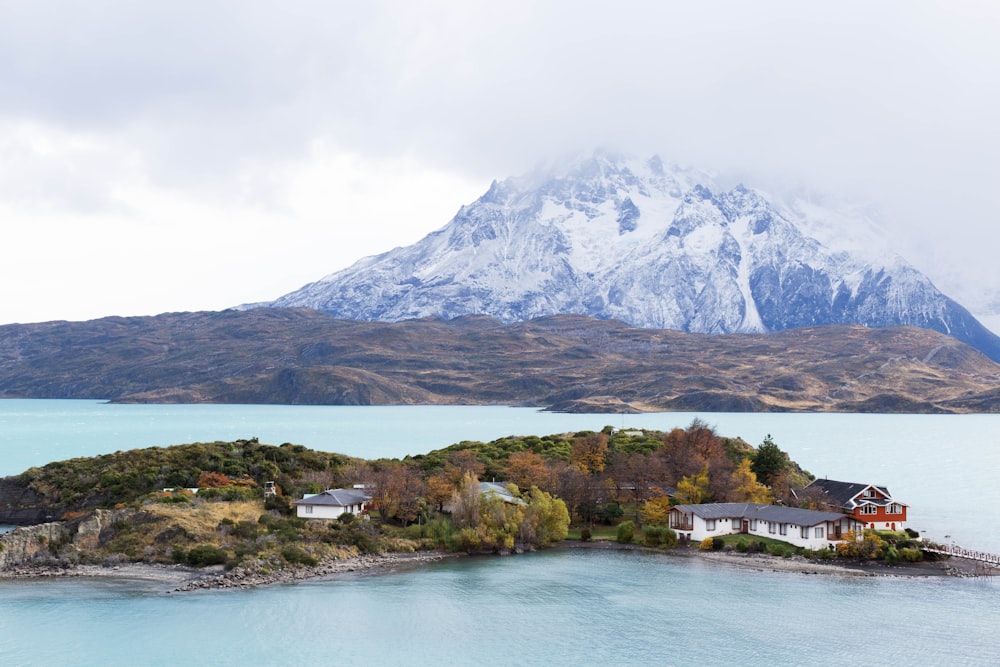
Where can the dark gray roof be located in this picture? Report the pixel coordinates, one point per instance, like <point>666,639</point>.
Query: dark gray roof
<point>844,493</point>
<point>336,498</point>
<point>776,513</point>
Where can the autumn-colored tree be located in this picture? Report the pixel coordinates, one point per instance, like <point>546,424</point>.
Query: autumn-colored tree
<point>635,478</point>
<point>439,489</point>
<point>579,490</point>
<point>656,511</point>
<point>589,452</point>
<point>693,489</point>
<point>545,520</point>
<point>746,488</point>
<point>398,492</point>
<point>465,502</point>
<point>461,462</point>
<point>212,480</point>
<point>528,469</point>
<point>868,547</point>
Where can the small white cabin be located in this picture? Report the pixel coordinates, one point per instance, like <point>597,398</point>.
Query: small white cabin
<point>332,503</point>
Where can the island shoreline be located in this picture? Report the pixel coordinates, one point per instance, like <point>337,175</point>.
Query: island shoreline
<point>182,579</point>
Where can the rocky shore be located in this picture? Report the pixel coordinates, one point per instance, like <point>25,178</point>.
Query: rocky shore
<point>251,577</point>
<point>179,578</point>
<point>952,567</point>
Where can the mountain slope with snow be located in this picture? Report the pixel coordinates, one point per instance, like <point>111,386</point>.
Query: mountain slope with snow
<point>653,245</point>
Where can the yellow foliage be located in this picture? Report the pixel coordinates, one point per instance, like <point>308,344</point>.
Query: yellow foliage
<point>707,544</point>
<point>694,489</point>
<point>656,511</point>
<point>746,488</point>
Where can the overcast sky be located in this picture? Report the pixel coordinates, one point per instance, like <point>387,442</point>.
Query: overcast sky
<point>167,156</point>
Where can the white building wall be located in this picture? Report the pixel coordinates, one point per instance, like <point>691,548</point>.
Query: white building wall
<point>319,511</point>
<point>758,528</point>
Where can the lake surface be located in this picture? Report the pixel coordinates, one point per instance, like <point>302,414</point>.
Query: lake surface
<point>554,608</point>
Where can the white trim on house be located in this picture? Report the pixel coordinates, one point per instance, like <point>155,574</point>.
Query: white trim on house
<point>332,503</point>
<point>810,529</point>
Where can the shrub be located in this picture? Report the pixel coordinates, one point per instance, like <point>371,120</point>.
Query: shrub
<point>347,518</point>
<point>660,536</point>
<point>179,555</point>
<point>626,532</point>
<point>298,556</point>
<point>707,544</point>
<point>246,530</point>
<point>206,554</point>
<point>717,543</point>
<point>911,554</point>
<point>585,535</point>
<point>741,546</point>
<point>280,504</point>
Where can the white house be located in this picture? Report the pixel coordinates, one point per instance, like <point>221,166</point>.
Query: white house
<point>803,528</point>
<point>332,503</point>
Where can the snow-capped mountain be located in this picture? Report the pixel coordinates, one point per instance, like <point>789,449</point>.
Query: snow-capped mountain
<point>652,244</point>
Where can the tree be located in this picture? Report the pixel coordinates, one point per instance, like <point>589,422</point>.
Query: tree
<point>656,511</point>
<point>693,490</point>
<point>398,492</point>
<point>769,461</point>
<point>528,469</point>
<point>589,452</point>
<point>746,488</point>
<point>439,490</point>
<point>546,519</point>
<point>465,502</point>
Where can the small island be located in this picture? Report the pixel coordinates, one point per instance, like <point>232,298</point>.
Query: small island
<point>245,513</point>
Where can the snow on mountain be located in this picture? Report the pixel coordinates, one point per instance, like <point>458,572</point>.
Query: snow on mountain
<point>654,245</point>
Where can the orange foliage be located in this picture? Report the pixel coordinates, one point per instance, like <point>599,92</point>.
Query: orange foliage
<point>210,480</point>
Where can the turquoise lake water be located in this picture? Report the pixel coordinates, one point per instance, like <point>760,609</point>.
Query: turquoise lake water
<point>553,608</point>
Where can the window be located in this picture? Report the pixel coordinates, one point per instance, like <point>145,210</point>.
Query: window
<point>753,524</point>
<point>770,526</point>
<point>804,532</point>
<point>783,529</point>
<point>819,532</point>
<point>309,509</point>
<point>870,492</point>
<point>869,509</point>
<point>895,508</point>
<point>709,524</point>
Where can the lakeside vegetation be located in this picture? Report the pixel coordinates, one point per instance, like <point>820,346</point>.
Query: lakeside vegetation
<point>609,484</point>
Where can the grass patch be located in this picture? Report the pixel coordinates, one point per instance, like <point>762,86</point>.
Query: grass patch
<point>201,519</point>
<point>597,532</point>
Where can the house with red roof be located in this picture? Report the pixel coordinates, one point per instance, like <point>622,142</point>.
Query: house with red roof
<point>871,504</point>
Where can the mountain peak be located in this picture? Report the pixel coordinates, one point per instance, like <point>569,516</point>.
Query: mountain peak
<point>649,243</point>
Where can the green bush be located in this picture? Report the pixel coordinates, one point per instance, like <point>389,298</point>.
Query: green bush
<point>911,554</point>
<point>626,532</point>
<point>206,554</point>
<point>660,536</point>
<point>585,535</point>
<point>280,504</point>
<point>741,546</point>
<point>717,543</point>
<point>298,556</point>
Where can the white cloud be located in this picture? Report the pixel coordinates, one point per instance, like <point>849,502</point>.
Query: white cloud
<point>261,146</point>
